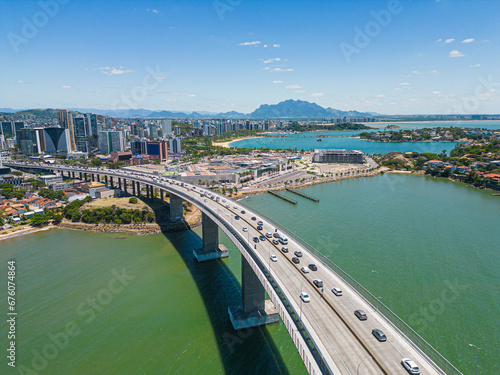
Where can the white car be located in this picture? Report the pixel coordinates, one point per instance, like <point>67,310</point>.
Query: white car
<point>337,291</point>
<point>410,366</point>
<point>245,229</point>
<point>235,207</point>
<point>305,297</point>
<point>273,258</point>
<point>305,269</point>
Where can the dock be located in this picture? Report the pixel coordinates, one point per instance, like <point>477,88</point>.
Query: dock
<point>282,197</point>
<point>303,195</point>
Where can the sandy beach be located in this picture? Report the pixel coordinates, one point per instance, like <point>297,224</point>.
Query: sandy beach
<point>19,231</point>
<point>226,144</point>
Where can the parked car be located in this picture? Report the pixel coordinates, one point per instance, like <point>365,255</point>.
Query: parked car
<point>360,314</point>
<point>305,269</point>
<point>379,335</point>
<point>305,297</point>
<point>410,366</point>
<point>313,267</point>
<point>337,291</point>
<point>245,229</point>
<point>295,260</point>
<point>318,283</point>
<point>284,249</point>
<point>274,258</point>
<point>298,253</point>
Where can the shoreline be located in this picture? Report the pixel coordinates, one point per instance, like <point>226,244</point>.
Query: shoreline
<point>227,143</point>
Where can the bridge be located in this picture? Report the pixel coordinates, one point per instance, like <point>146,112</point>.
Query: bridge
<point>328,336</point>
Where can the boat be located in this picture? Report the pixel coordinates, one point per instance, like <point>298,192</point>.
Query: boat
<point>319,140</point>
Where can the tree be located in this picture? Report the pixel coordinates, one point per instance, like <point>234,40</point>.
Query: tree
<point>96,162</point>
<point>133,200</point>
<point>39,220</point>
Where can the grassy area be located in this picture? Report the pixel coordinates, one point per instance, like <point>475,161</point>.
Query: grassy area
<point>121,203</point>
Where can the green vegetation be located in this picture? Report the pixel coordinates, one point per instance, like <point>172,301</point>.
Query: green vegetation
<point>53,195</point>
<point>7,190</point>
<point>133,200</point>
<point>476,151</point>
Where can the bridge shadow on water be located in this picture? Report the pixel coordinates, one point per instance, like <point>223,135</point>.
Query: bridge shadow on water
<point>250,351</point>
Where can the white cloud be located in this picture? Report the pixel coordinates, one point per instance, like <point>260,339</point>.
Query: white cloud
<point>281,70</point>
<point>114,71</point>
<point>439,40</point>
<point>66,87</point>
<point>21,81</point>
<point>397,88</point>
<point>184,94</point>
<point>290,87</point>
<point>152,10</point>
<point>468,40</point>
<point>159,77</point>
<point>437,92</point>
<point>271,60</point>
<point>449,40</point>
<point>265,46</point>
<point>317,94</point>
<point>276,46</point>
<point>456,53</point>
<point>299,91</point>
<point>254,43</point>
<point>380,96</point>
<point>405,84</point>
<point>434,72</point>
<point>475,66</point>
<point>277,81</point>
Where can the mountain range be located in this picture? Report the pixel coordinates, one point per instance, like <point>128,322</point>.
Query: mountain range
<point>288,109</point>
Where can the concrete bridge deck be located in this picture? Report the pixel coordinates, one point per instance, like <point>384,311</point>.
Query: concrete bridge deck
<point>328,336</point>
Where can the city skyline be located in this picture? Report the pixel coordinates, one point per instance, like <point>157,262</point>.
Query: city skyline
<point>387,56</point>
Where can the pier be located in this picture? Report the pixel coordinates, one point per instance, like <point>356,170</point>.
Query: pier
<point>282,197</point>
<point>302,195</point>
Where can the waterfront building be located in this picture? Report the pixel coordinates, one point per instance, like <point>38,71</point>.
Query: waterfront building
<point>338,156</point>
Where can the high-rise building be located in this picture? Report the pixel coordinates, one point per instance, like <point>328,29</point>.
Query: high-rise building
<point>177,130</point>
<point>166,127</point>
<point>66,122</point>
<point>110,141</point>
<point>56,139</point>
<point>153,131</point>
<point>10,128</point>
<point>27,141</point>
<point>175,145</point>
<point>157,150</point>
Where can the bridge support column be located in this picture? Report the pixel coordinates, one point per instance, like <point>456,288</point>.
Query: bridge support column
<point>211,248</point>
<point>98,178</point>
<point>119,183</point>
<point>138,189</point>
<point>73,174</point>
<point>254,310</point>
<point>152,192</point>
<point>176,209</point>
<point>147,191</point>
<point>125,187</point>
<point>161,195</point>
<point>80,175</point>
<point>92,176</point>
<point>133,187</point>
<point>112,185</point>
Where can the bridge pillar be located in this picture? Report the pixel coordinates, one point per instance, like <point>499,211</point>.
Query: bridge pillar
<point>73,174</point>
<point>211,248</point>
<point>133,187</point>
<point>176,209</point>
<point>254,310</point>
<point>81,177</point>
<point>119,183</point>
<point>125,186</point>
<point>92,176</point>
<point>112,185</point>
<point>138,189</point>
<point>147,191</point>
<point>161,195</point>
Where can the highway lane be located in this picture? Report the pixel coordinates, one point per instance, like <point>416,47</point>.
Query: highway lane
<point>342,346</point>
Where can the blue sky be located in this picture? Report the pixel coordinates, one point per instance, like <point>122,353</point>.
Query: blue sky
<point>394,57</point>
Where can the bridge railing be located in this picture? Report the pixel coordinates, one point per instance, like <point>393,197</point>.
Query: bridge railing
<point>292,319</point>
<point>413,338</point>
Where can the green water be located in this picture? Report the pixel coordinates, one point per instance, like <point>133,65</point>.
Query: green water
<point>434,243</point>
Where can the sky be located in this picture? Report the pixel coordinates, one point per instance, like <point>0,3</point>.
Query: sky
<point>390,57</point>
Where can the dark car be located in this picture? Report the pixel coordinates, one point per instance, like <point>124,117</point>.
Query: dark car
<point>237,217</point>
<point>298,253</point>
<point>242,211</point>
<point>254,218</point>
<point>379,335</point>
<point>276,235</point>
<point>259,227</point>
<point>284,249</point>
<point>256,239</point>
<point>262,237</point>
<point>260,222</point>
<point>361,315</point>
<point>295,260</point>
<point>313,267</point>
<point>318,283</point>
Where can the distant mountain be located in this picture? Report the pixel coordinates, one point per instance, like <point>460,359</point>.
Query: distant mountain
<point>300,109</point>
<point>288,109</point>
